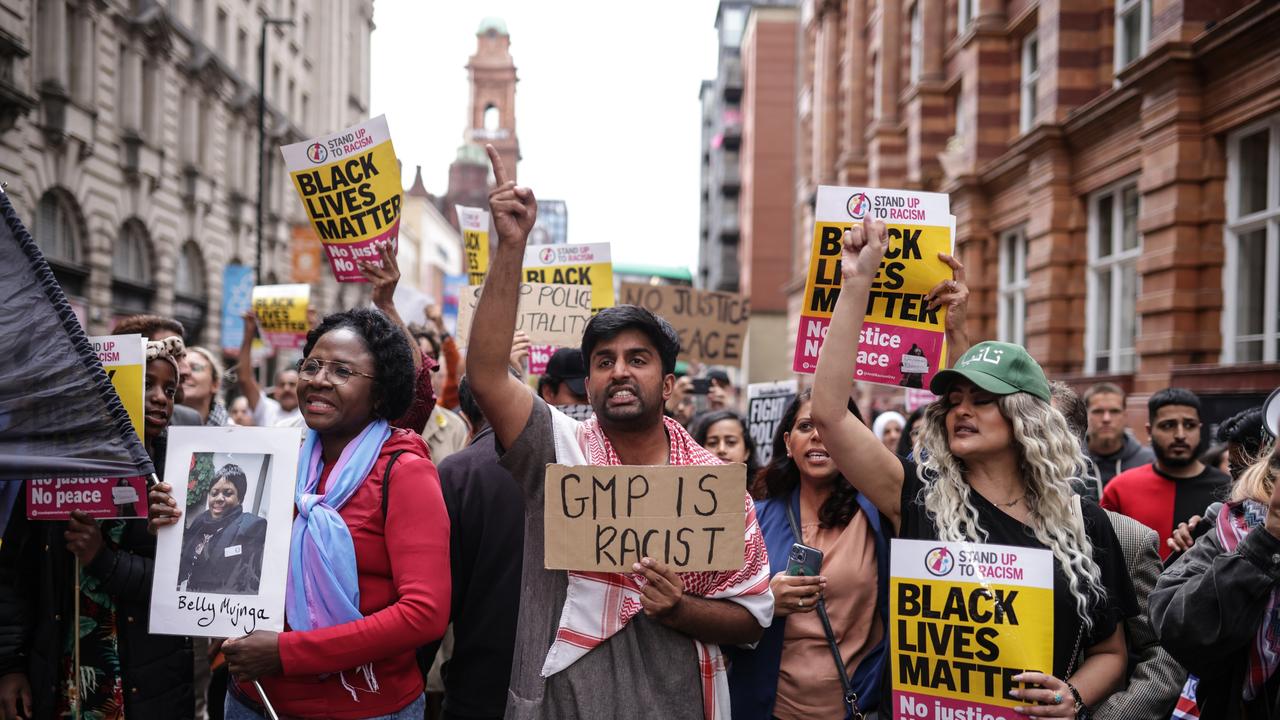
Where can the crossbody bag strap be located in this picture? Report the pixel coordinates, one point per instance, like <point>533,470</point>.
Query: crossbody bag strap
<point>850,697</point>
<point>386,483</point>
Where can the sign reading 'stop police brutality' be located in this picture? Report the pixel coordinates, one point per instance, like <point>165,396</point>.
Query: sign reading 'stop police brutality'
<point>349,183</point>
<point>902,339</point>
<point>964,620</point>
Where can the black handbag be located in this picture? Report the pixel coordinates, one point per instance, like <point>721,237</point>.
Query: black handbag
<point>850,697</point>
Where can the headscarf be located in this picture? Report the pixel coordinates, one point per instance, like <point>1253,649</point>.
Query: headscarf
<point>882,421</point>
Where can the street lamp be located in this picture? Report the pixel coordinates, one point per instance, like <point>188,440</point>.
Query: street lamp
<point>263,157</point>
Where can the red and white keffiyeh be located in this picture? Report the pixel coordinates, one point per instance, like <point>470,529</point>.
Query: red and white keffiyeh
<point>598,605</point>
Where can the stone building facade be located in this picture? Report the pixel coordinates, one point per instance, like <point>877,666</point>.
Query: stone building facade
<point>128,140</point>
<point>1114,166</point>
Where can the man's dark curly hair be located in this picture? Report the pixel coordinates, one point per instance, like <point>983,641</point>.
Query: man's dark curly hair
<point>781,476</point>
<point>612,322</point>
<point>392,357</point>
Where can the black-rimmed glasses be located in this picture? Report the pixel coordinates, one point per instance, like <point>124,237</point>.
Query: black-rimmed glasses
<point>339,373</point>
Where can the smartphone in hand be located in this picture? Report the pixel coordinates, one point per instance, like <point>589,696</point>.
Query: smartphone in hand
<point>804,560</point>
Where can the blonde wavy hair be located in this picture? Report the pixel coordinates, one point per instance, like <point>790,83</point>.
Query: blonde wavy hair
<point>1258,480</point>
<point>1049,458</point>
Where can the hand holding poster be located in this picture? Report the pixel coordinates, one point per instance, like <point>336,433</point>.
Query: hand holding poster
<point>966,618</point>
<point>902,339</point>
<point>349,183</point>
<point>213,575</point>
<point>712,325</point>
<point>282,314</point>
<point>607,518</point>
<point>553,315</point>
<point>475,242</point>
<point>766,403</point>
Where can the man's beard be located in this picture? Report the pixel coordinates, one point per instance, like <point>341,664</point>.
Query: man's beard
<point>631,417</point>
<point>1166,460</point>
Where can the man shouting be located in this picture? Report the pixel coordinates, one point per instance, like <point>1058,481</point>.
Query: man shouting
<point>634,645</point>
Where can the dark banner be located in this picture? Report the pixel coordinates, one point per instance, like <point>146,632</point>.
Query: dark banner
<point>59,414</point>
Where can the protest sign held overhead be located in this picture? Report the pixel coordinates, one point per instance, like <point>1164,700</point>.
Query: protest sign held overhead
<point>766,403</point>
<point>965,618</point>
<point>349,183</point>
<point>712,325</point>
<point>902,339</point>
<point>475,242</point>
<point>236,585</point>
<point>590,265</point>
<point>552,315</point>
<point>282,314</point>
<point>606,518</point>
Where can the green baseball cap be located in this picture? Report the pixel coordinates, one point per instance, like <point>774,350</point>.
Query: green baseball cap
<point>997,367</point>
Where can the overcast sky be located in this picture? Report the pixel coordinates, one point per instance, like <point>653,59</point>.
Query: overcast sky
<point>607,108</point>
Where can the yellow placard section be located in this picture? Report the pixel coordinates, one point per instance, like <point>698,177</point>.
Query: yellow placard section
<point>967,641</point>
<point>476,245</point>
<point>282,314</point>
<point>606,518</point>
<point>124,359</point>
<point>354,199</point>
<point>910,269</point>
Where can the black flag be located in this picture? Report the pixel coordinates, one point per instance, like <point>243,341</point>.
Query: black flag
<point>59,414</point>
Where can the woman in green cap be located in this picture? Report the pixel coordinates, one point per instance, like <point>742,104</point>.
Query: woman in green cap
<point>996,464</point>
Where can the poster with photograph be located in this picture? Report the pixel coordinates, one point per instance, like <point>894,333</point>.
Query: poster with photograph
<point>214,575</point>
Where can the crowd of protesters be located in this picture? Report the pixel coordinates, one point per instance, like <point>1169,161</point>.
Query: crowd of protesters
<point>417,580</point>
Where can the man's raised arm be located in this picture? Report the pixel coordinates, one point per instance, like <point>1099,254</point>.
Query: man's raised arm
<point>506,401</point>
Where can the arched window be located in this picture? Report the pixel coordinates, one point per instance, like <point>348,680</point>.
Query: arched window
<point>131,288</point>
<point>60,234</point>
<point>190,294</point>
<point>492,119</point>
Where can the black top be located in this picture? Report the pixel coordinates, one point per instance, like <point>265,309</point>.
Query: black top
<point>1002,529</point>
<point>223,555</point>
<point>486,548</point>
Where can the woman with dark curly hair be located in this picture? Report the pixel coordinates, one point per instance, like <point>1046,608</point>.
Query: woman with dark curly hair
<point>369,556</point>
<point>792,672</point>
<point>724,433</point>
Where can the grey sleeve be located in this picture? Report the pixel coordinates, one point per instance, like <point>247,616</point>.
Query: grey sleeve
<point>1157,678</point>
<point>1207,606</point>
<point>529,455</point>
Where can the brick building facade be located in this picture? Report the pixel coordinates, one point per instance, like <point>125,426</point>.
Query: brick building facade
<point>1114,167</point>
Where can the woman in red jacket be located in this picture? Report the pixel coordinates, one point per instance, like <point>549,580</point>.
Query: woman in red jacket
<point>348,651</point>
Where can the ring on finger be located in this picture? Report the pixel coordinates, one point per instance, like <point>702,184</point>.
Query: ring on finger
<point>1057,698</point>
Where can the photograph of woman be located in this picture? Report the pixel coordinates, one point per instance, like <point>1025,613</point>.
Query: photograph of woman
<point>222,548</point>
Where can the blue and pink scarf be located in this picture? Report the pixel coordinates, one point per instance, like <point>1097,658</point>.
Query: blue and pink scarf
<point>323,588</point>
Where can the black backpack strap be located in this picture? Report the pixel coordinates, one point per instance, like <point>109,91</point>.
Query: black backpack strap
<point>386,482</point>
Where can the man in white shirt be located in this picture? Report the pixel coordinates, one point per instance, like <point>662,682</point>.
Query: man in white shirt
<point>267,412</point>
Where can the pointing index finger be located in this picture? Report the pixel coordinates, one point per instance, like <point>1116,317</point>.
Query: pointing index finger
<point>499,168</point>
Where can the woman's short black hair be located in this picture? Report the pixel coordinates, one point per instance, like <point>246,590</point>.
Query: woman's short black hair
<point>781,475</point>
<point>702,425</point>
<point>233,474</point>
<point>612,322</point>
<point>906,444</point>
<point>393,383</point>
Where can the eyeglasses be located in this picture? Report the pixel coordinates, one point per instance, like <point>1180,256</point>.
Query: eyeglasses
<point>338,373</point>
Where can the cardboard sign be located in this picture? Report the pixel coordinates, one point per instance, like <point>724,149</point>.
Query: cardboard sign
<point>606,518</point>
<point>349,183</point>
<point>229,584</point>
<point>766,404</point>
<point>55,498</point>
<point>282,314</point>
<point>712,325</point>
<point>964,619</point>
<point>902,341</point>
<point>474,223</point>
<point>552,315</point>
